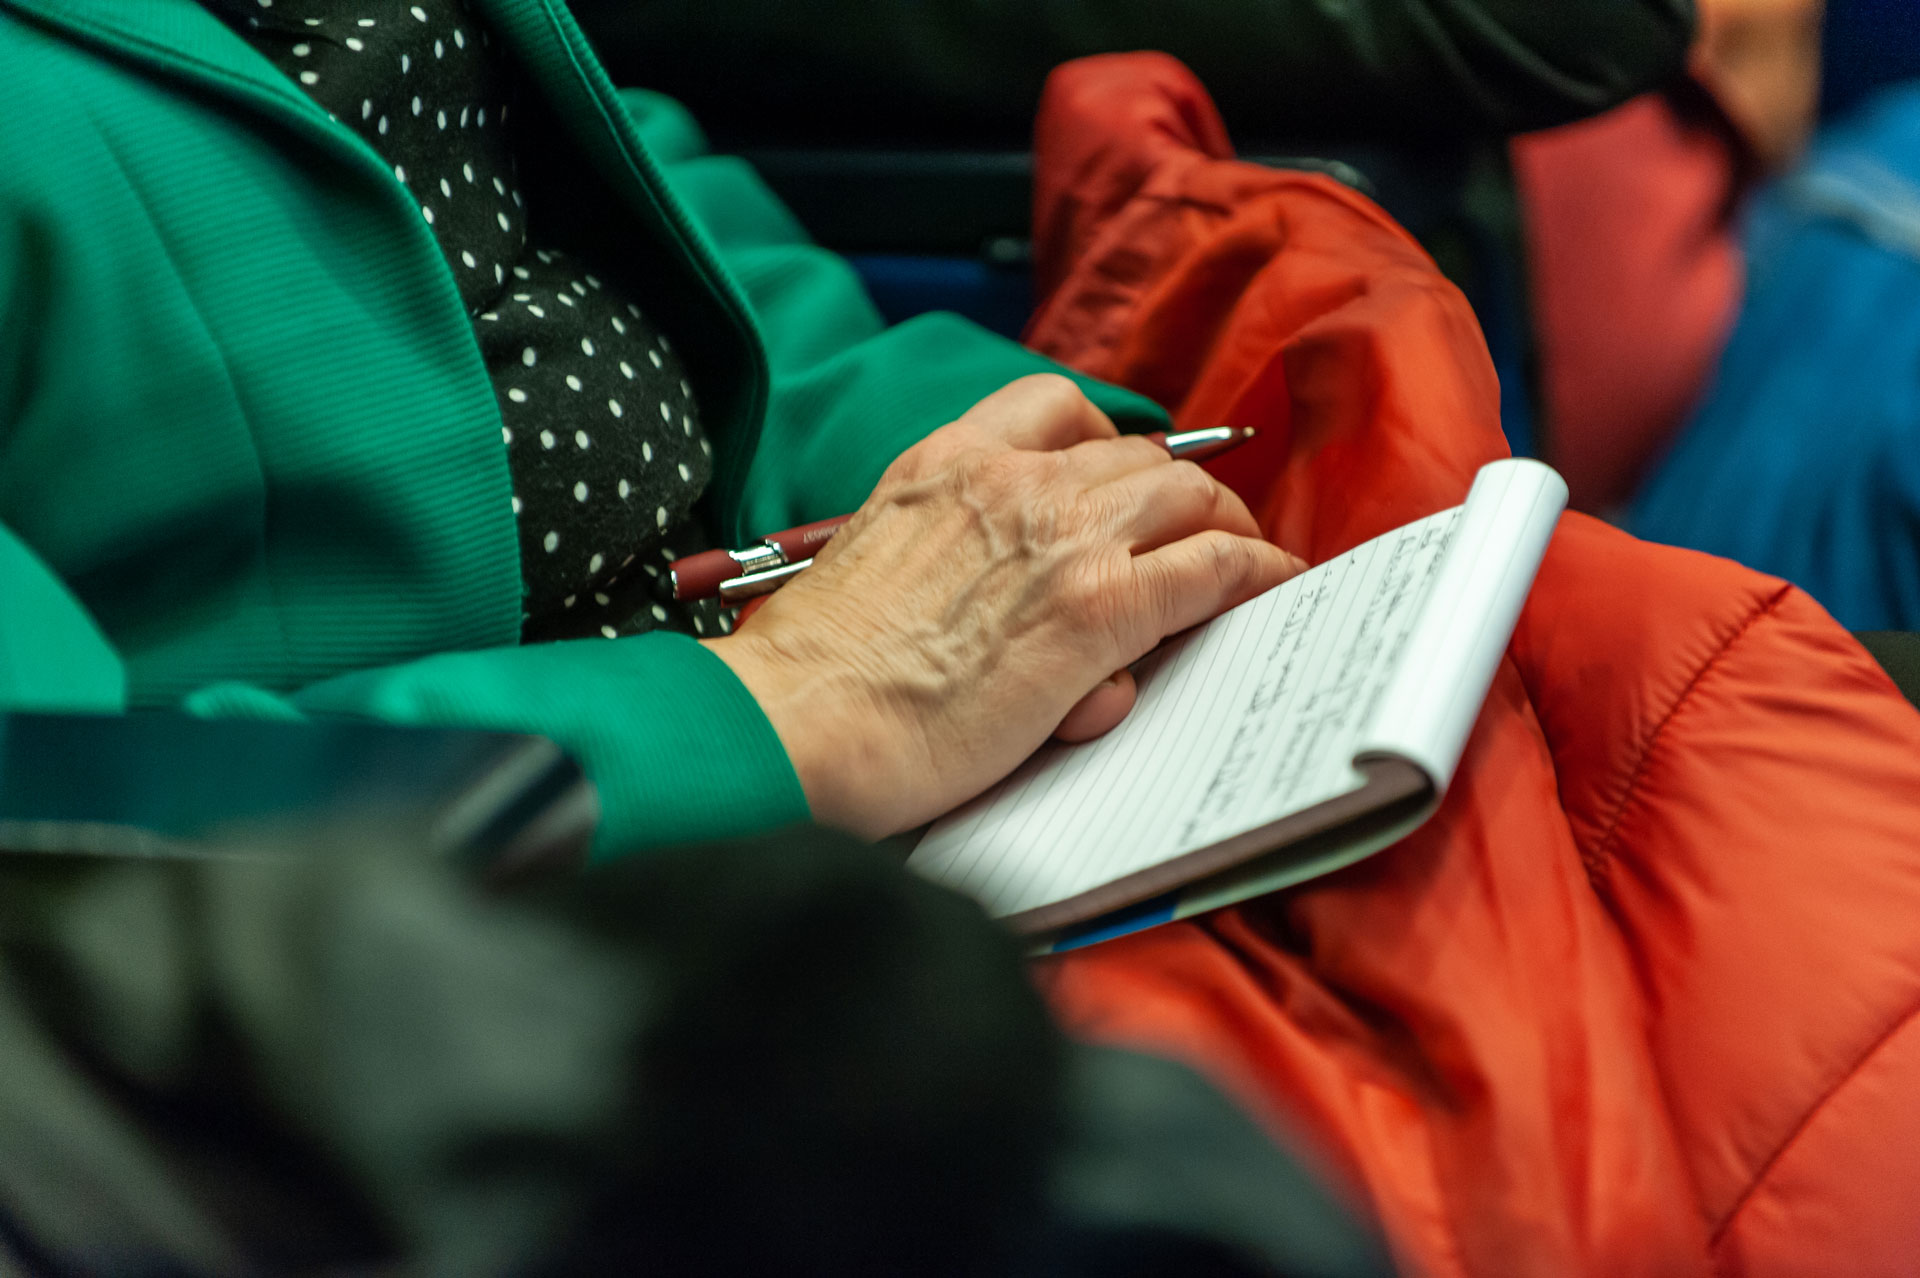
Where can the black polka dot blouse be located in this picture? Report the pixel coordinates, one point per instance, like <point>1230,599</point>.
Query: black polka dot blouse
<point>601,426</point>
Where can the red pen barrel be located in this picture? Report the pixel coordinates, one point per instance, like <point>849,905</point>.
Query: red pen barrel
<point>805,541</point>
<point>699,576</point>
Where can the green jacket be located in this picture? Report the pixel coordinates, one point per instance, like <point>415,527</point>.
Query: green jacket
<point>197,508</point>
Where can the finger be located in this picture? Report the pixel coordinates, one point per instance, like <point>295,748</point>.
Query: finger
<point>1099,461</point>
<point>1043,412</point>
<point>1199,577</point>
<point>1100,711</point>
<point>1153,507</point>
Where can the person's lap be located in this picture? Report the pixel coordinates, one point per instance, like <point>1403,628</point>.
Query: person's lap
<point>1586,1019</point>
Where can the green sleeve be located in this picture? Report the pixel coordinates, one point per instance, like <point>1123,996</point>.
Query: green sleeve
<point>678,749</point>
<point>849,393</point>
<point>52,655</point>
<point>1280,69</point>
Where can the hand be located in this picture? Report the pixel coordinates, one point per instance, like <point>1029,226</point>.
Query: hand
<point>982,598</point>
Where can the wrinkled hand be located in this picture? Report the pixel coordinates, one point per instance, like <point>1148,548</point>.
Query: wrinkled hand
<point>983,597</point>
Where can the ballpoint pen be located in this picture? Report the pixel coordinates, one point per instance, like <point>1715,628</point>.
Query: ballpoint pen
<point>739,575</point>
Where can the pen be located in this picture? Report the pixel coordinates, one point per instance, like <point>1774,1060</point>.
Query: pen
<point>739,575</point>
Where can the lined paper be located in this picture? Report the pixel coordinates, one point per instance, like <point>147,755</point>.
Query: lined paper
<point>1238,723</point>
<point>1260,713</point>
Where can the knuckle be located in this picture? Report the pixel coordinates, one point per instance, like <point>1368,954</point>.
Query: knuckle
<point>1193,487</point>
<point>1231,559</point>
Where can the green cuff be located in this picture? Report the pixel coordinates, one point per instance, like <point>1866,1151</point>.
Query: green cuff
<point>677,747</point>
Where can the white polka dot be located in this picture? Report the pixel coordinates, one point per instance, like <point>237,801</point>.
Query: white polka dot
<point>466,171</point>
<point>580,492</point>
<point>626,370</point>
<point>517,395</point>
<point>601,599</point>
<point>596,563</point>
<point>659,613</point>
<point>706,448</point>
<point>406,64</point>
<point>468,259</point>
<point>383,126</point>
<point>517,202</point>
<point>699,626</point>
<point>446,188</point>
<point>544,256</point>
<point>619,325</point>
<point>440,118</point>
<point>563,299</point>
<point>535,311</point>
<point>439,49</point>
<point>498,274</point>
<point>523,297</point>
<point>416,104</point>
<point>570,601</point>
<point>686,389</point>
<point>660,516</point>
<point>591,281</point>
<point>302,50</point>
<point>506,434</point>
<point>400,172</point>
<point>686,476</point>
<point>551,541</point>
<point>609,632</point>
<point>573,383</point>
<point>625,488</point>
<point>646,451</point>
<point>666,413</point>
<point>665,345</point>
<point>527,357</point>
<point>503,113</point>
<point>420,15</point>
<point>504,224</point>
<point>613,406</point>
<point>651,570</point>
<point>309,77</point>
<point>633,310</point>
<point>516,505</point>
<point>356,44</point>
<point>582,439</point>
<point>686,427</point>
<point>427,213</point>
<point>480,121</point>
<point>578,287</point>
<point>312,22</point>
<point>655,357</point>
<point>586,346</point>
<point>520,273</point>
<point>464,113</point>
<point>546,439</point>
<point>489,316</point>
<point>459,38</point>
<point>366,108</point>
<point>365,22</point>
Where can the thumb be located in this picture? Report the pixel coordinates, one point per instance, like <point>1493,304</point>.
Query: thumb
<point>1101,710</point>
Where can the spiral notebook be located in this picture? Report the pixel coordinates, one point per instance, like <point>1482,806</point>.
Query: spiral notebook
<point>1283,740</point>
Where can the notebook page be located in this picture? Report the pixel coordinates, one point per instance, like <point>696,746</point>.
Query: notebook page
<point>1240,722</point>
<point>1436,694</point>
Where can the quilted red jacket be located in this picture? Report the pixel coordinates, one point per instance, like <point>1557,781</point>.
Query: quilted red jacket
<point>1641,998</point>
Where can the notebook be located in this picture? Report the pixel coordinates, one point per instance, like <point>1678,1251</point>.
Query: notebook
<point>1280,741</point>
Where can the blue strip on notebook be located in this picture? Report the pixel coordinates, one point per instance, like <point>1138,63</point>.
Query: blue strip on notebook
<point>1149,913</point>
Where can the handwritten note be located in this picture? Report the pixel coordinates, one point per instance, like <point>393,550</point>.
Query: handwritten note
<point>1239,723</point>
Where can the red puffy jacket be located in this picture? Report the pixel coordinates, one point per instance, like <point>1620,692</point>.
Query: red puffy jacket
<point>1641,998</point>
